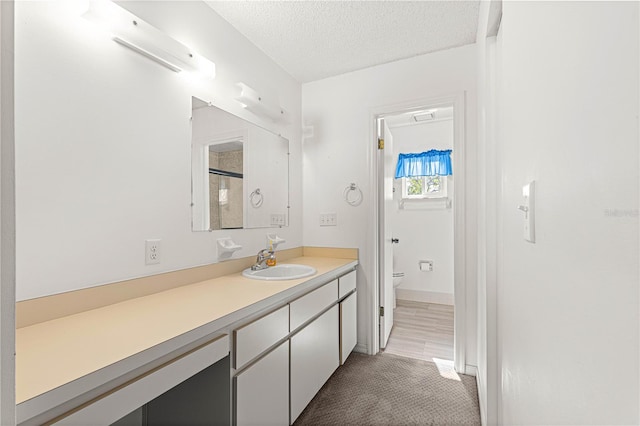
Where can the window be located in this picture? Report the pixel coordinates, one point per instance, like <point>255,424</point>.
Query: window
<point>424,187</point>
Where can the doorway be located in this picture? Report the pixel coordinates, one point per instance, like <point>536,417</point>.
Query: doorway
<point>428,212</point>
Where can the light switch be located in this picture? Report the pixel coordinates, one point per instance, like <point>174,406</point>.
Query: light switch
<point>528,209</point>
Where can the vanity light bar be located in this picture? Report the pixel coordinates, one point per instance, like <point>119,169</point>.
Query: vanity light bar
<point>254,102</point>
<point>130,31</point>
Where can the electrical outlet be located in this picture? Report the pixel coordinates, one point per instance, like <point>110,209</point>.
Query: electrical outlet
<point>328,219</point>
<point>152,252</point>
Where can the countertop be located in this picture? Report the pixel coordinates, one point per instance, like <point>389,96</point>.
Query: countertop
<point>57,352</point>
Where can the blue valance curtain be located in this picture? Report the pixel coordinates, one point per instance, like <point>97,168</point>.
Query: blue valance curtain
<point>430,163</point>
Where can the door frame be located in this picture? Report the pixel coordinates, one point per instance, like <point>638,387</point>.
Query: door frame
<point>458,101</point>
<point>7,216</point>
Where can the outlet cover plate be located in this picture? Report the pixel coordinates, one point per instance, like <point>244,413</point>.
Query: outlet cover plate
<point>152,251</point>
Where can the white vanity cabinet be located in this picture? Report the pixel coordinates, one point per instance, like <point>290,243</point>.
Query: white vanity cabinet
<point>262,390</point>
<point>283,358</point>
<point>235,352</point>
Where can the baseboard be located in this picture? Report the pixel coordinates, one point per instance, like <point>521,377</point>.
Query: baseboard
<point>425,296</point>
<point>471,370</point>
<point>361,348</point>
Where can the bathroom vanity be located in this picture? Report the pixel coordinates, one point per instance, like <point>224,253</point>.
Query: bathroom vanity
<point>227,350</point>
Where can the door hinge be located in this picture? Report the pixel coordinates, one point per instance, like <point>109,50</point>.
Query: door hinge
<point>380,143</point>
<point>381,311</point>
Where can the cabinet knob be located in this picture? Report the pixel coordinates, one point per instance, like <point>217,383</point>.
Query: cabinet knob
<point>395,240</point>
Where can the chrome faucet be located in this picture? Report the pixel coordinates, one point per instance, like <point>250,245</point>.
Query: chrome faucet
<point>261,259</point>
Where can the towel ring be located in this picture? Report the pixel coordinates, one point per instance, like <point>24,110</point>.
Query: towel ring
<point>353,195</point>
<point>256,198</point>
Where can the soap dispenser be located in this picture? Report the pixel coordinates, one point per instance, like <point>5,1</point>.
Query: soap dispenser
<point>271,261</point>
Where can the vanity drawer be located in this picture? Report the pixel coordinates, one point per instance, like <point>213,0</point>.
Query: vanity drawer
<point>254,338</point>
<point>346,284</point>
<point>310,305</point>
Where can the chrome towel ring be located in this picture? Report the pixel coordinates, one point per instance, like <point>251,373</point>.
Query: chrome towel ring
<point>256,198</point>
<point>353,195</point>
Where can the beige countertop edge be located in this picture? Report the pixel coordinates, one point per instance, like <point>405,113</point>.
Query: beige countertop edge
<point>67,361</point>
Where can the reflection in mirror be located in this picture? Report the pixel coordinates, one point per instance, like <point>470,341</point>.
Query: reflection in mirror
<point>239,172</point>
<point>225,185</point>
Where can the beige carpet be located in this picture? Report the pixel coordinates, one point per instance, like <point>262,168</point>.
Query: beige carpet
<point>393,390</point>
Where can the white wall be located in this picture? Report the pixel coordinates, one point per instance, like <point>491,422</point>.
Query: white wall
<point>568,317</point>
<point>103,145</point>
<point>339,152</point>
<point>424,234</point>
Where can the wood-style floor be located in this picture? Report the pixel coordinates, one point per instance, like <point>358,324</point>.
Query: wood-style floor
<point>421,331</point>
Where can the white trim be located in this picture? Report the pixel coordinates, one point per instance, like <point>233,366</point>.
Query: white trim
<point>488,378</point>
<point>471,370</point>
<point>373,343</point>
<point>361,348</point>
<point>459,232</point>
<point>7,217</point>
<point>459,176</point>
<point>425,296</point>
<point>481,386</point>
<point>425,204</point>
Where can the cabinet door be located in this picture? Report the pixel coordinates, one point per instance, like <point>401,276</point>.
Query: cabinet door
<point>348,326</point>
<point>262,390</point>
<point>314,357</point>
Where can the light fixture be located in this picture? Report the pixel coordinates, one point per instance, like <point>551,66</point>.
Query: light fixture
<point>424,116</point>
<point>142,37</point>
<point>254,102</point>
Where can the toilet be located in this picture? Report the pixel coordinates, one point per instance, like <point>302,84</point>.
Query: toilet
<point>397,279</point>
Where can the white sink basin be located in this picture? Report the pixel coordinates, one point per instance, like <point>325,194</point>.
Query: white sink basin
<point>280,272</point>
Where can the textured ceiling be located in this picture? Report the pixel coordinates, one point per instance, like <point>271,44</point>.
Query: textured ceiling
<point>312,40</point>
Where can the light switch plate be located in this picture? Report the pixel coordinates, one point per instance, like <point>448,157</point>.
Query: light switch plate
<point>528,208</point>
<point>328,219</point>
<point>277,220</point>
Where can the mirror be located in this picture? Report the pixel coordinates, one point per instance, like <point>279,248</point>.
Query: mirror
<point>240,172</point>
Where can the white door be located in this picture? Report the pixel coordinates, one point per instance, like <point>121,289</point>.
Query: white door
<point>386,169</point>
